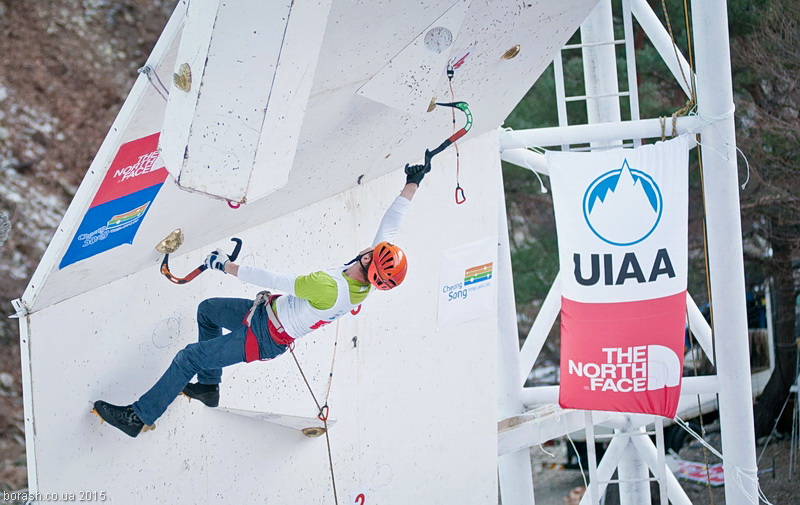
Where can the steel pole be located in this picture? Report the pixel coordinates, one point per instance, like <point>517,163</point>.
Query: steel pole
<point>725,257</point>
<point>514,468</point>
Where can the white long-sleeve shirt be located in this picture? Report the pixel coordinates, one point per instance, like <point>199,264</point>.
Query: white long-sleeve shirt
<point>320,297</point>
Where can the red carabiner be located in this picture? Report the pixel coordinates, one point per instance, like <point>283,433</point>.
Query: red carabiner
<point>460,193</point>
<point>323,413</point>
<point>234,205</point>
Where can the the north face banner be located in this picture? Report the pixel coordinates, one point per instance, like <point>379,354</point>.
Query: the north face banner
<point>621,217</point>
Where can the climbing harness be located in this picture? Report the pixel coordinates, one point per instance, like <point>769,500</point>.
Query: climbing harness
<point>199,270</point>
<point>274,326</point>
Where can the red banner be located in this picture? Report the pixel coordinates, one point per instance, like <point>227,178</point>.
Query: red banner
<point>135,167</point>
<point>623,368</point>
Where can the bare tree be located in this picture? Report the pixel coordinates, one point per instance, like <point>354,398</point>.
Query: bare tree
<point>766,64</point>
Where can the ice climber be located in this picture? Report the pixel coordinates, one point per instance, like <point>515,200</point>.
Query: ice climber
<point>264,329</point>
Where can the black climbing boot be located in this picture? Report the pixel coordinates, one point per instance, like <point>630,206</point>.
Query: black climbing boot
<point>123,418</point>
<point>206,393</point>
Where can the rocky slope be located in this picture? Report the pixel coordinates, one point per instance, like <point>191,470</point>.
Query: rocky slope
<point>65,68</point>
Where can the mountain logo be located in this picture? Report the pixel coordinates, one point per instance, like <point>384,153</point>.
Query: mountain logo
<point>623,207</point>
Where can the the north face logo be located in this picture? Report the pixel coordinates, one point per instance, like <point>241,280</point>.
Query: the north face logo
<point>631,369</point>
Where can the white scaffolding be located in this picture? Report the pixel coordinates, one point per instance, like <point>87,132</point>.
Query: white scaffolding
<point>633,455</point>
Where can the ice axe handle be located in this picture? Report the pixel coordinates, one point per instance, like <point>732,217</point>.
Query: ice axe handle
<point>235,254</point>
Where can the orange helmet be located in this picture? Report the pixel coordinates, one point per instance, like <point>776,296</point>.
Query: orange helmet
<point>388,267</point>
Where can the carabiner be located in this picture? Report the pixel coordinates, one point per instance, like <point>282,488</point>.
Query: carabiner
<point>460,196</point>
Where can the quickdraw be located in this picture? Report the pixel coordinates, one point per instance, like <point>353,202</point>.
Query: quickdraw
<point>323,413</point>
<point>199,270</point>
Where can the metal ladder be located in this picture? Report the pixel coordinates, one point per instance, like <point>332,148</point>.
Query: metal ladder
<point>630,62</point>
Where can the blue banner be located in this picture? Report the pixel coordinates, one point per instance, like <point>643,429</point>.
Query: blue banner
<point>109,225</point>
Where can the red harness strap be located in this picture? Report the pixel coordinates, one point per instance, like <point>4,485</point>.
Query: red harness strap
<point>276,331</point>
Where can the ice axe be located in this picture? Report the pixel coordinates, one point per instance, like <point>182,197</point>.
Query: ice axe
<point>171,244</point>
<point>429,154</point>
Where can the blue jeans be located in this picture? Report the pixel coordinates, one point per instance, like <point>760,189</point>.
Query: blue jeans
<point>209,355</point>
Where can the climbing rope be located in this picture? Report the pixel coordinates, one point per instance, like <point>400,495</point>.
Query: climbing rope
<point>323,410</point>
<point>691,103</point>
<point>460,197</point>
<point>711,314</point>
<point>675,48</point>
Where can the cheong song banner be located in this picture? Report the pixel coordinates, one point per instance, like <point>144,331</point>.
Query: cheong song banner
<point>467,289</point>
<point>621,217</point>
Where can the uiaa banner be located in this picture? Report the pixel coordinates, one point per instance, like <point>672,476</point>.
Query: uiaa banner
<point>621,218</point>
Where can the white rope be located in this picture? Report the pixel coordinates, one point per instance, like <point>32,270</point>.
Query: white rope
<point>150,72</point>
<point>711,121</point>
<point>528,145</point>
<point>739,473</point>
<point>577,454</point>
<point>541,448</point>
<point>549,409</point>
<point>542,187</point>
<point>747,163</point>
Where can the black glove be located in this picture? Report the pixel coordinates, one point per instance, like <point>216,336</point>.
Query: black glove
<point>415,173</point>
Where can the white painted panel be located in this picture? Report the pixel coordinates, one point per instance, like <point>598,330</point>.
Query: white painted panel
<point>409,80</point>
<point>289,97</point>
<point>415,408</point>
<point>234,85</point>
<point>182,105</point>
